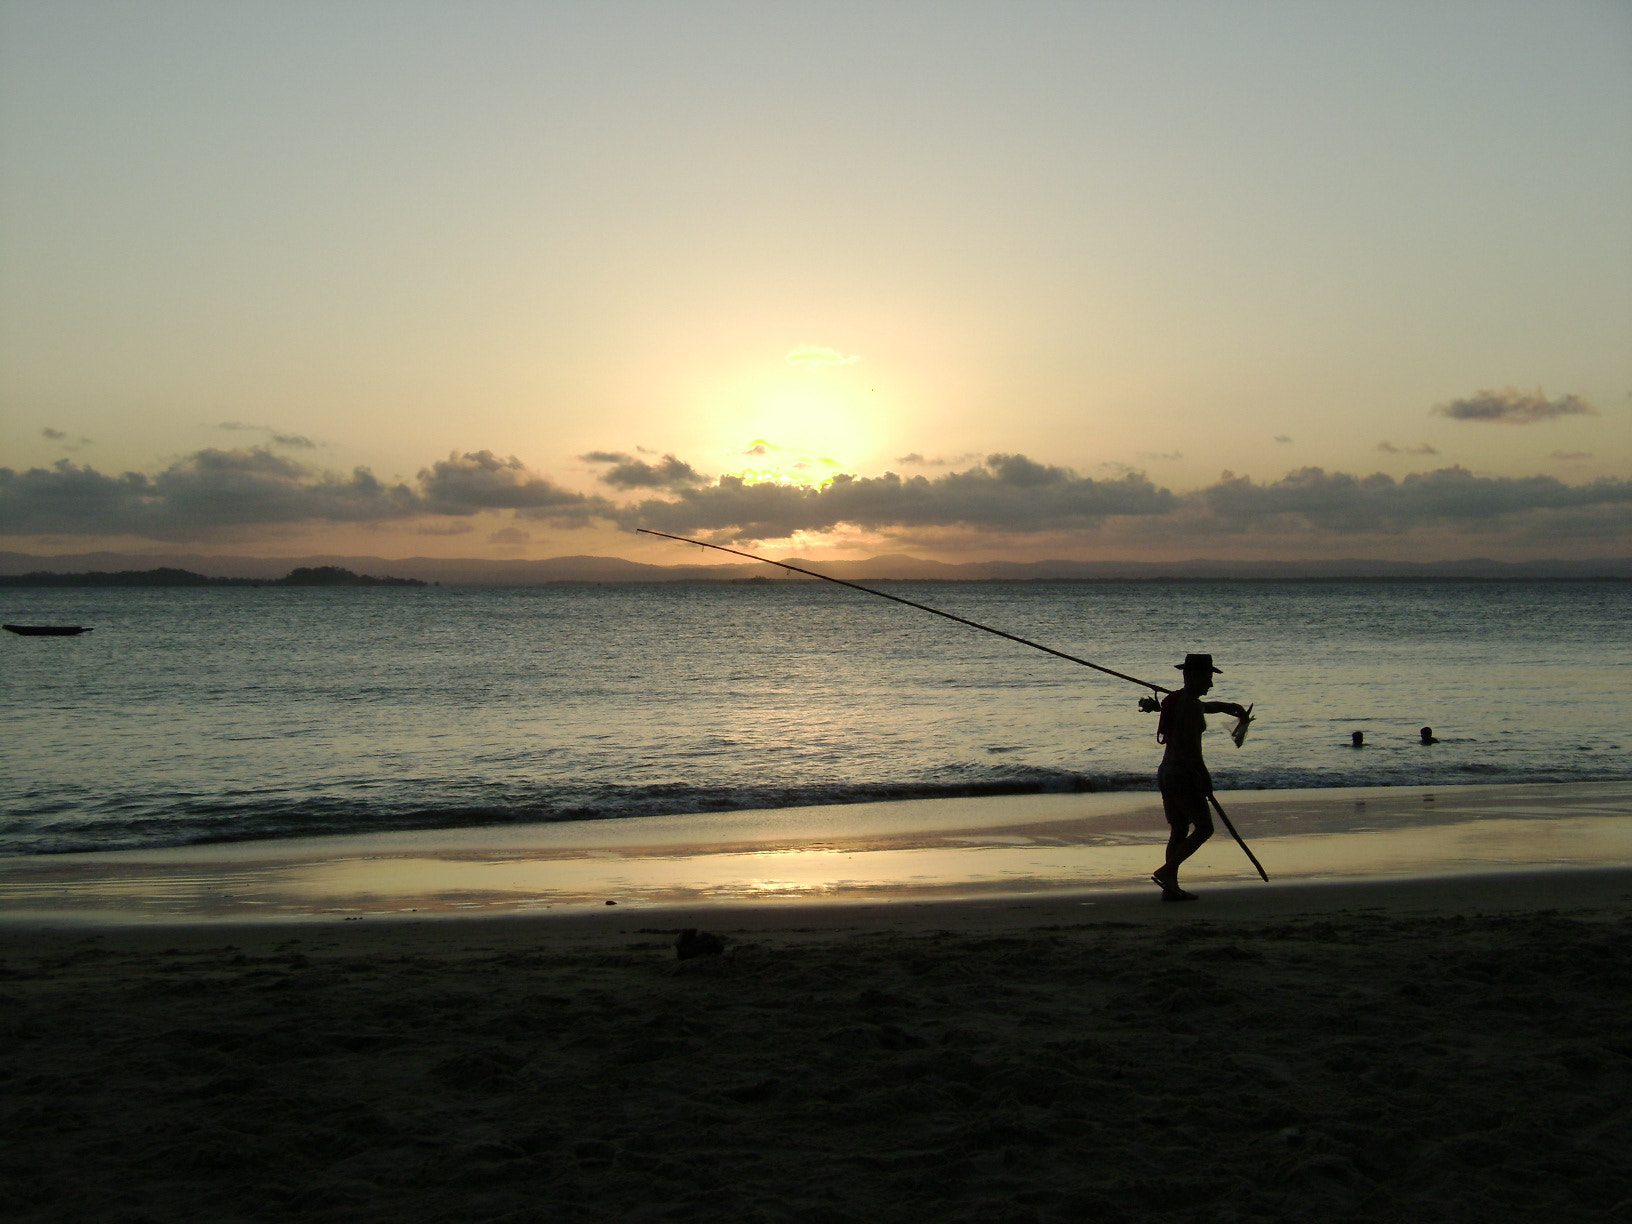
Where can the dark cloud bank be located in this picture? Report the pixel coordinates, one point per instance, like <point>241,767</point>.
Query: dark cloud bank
<point>226,493</point>
<point>213,492</point>
<point>1008,493</point>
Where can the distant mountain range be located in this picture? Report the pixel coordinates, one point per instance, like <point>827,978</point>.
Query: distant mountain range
<point>170,576</point>
<point>479,572</point>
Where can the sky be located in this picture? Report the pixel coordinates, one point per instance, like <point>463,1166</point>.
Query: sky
<point>966,281</point>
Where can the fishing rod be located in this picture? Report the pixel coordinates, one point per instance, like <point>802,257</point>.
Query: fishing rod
<point>1147,704</point>
<point>1059,654</point>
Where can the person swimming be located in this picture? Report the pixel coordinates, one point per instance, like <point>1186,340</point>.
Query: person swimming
<point>1357,739</point>
<point>1428,736</point>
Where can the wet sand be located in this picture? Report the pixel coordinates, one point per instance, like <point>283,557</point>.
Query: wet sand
<point>904,853</point>
<point>1433,1049</point>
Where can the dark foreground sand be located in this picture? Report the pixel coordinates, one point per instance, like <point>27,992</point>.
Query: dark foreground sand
<point>1409,1052</point>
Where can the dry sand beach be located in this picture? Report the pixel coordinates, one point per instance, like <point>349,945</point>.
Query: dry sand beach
<point>1447,1048</point>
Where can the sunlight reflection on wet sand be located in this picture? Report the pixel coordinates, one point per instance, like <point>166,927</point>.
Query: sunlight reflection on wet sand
<point>873,852</point>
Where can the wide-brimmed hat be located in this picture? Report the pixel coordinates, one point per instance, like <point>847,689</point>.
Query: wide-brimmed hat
<point>1198,662</point>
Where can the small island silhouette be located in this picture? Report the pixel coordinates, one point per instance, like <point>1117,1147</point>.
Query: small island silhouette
<point>302,576</point>
<point>334,575</point>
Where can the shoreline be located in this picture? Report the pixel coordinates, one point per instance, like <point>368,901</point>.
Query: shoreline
<point>1572,890</point>
<point>1000,848</point>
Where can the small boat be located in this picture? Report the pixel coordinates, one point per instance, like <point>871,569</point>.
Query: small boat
<point>47,630</point>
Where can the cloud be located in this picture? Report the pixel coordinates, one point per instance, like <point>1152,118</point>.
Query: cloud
<point>290,440</point>
<point>1388,448</point>
<point>69,442</point>
<point>204,492</point>
<point>480,480</point>
<point>224,492</point>
<point>917,460</point>
<point>815,356</point>
<point>1513,407</point>
<point>1167,456</point>
<point>1006,493</point>
<point>218,493</point>
<point>631,473</point>
<point>605,457</point>
<point>1336,502</point>
<point>1013,495</point>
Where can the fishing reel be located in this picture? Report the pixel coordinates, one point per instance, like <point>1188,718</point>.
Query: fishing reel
<point>1148,704</point>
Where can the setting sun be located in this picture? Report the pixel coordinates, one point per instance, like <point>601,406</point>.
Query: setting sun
<point>796,425</point>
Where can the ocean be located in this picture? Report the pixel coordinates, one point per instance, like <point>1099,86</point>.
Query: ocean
<point>218,715</point>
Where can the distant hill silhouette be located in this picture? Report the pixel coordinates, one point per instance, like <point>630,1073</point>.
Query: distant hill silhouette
<point>166,576</point>
<point>169,576</point>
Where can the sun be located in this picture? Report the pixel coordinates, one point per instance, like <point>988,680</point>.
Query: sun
<point>799,435</point>
<point>798,418</point>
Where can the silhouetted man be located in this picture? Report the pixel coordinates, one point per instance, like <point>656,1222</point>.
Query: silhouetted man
<point>1183,778</point>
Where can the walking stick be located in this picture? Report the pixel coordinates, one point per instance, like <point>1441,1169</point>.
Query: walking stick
<point>1213,799</point>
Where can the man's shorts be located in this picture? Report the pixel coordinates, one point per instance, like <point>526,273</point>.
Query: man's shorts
<point>1184,798</point>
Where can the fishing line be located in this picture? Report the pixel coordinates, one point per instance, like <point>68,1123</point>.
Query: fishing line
<point>1059,654</point>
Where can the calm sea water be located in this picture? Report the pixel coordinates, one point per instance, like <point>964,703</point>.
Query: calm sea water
<point>211,715</point>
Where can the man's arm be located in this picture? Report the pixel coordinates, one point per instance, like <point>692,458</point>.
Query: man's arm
<point>1224,707</point>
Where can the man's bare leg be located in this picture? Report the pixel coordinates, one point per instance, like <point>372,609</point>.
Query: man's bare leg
<point>1181,844</point>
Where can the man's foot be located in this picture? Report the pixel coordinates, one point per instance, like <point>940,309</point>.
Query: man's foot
<point>1162,877</point>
